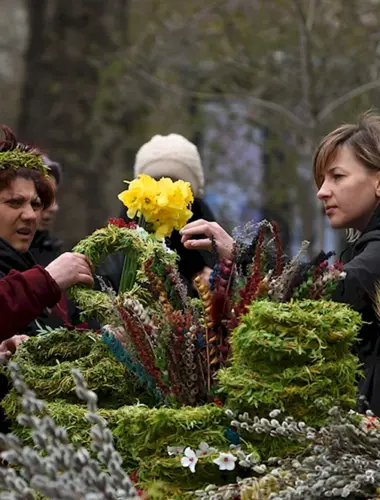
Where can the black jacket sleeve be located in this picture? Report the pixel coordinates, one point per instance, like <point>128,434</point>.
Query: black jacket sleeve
<point>363,273</point>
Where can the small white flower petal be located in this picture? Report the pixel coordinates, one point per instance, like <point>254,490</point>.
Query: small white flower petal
<point>225,461</point>
<point>192,466</point>
<point>189,452</point>
<point>229,465</point>
<point>190,459</point>
<point>175,450</point>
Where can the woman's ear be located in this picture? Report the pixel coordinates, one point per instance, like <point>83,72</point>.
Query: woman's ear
<point>377,186</point>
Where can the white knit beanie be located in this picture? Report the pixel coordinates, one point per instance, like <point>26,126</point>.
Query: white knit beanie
<point>171,156</point>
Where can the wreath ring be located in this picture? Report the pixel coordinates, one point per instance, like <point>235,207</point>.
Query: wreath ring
<point>104,242</point>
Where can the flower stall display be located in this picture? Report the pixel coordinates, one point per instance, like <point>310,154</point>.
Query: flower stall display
<point>185,384</point>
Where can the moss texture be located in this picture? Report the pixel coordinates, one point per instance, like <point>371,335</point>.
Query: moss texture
<point>290,356</point>
<point>285,356</point>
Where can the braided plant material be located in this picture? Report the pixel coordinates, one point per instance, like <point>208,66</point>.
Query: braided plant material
<point>210,337</point>
<point>21,159</point>
<point>290,355</point>
<point>46,363</point>
<point>106,241</point>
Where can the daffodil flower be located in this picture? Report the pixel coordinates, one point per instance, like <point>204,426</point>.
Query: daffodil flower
<point>164,204</point>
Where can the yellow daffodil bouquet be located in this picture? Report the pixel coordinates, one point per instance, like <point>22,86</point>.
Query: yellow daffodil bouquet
<point>160,206</point>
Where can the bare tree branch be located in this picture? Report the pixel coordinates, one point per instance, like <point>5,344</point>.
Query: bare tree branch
<point>334,105</point>
<point>265,104</point>
<point>311,15</point>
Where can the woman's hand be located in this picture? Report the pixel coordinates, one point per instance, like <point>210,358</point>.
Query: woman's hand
<point>71,269</point>
<point>9,346</point>
<point>212,230</point>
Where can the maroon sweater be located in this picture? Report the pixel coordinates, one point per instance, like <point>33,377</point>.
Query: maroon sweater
<point>23,296</point>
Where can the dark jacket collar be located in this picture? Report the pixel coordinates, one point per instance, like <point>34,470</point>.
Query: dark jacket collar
<point>44,240</point>
<point>12,259</point>
<point>371,232</point>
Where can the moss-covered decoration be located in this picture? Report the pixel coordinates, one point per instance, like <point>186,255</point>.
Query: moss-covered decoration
<point>46,364</point>
<point>292,356</point>
<point>16,159</point>
<point>104,242</point>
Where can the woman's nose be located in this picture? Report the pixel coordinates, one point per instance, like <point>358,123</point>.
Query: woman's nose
<point>29,213</point>
<point>324,192</point>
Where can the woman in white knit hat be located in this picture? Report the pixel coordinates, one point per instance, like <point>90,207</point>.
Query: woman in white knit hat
<point>176,157</point>
<point>171,156</point>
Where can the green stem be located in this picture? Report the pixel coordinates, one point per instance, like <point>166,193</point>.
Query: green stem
<point>128,274</point>
<point>141,222</point>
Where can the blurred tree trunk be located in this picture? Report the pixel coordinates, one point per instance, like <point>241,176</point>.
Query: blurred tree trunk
<point>64,109</point>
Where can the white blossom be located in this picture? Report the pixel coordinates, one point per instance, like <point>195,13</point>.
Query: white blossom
<point>204,449</point>
<point>142,232</point>
<point>225,461</point>
<point>190,459</point>
<point>175,450</point>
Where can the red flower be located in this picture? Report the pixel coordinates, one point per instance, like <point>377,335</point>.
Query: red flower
<point>121,223</point>
<point>218,402</point>
<point>371,422</point>
<point>339,265</point>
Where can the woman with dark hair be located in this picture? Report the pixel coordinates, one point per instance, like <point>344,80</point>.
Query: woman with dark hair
<point>45,247</point>
<point>25,191</point>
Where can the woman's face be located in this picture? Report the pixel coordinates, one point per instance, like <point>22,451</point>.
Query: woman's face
<point>350,192</point>
<point>48,215</point>
<point>20,211</point>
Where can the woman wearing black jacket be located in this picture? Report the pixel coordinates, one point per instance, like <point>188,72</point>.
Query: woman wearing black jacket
<point>46,247</point>
<point>347,174</point>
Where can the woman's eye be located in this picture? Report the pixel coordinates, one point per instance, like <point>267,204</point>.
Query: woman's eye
<point>338,176</point>
<point>37,205</point>
<point>15,203</point>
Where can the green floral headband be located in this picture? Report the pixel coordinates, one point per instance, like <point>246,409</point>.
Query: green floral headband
<point>22,159</point>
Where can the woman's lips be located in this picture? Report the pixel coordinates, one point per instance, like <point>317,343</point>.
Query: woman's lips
<point>24,231</point>
<point>330,210</point>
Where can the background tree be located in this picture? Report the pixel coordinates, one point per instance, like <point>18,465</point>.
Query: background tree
<point>303,66</point>
<point>65,106</point>
<point>101,79</point>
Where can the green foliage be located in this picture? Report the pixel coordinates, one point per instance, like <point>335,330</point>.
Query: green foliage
<point>46,364</point>
<point>20,159</point>
<point>93,303</point>
<point>146,432</point>
<point>295,332</point>
<point>108,240</point>
<point>111,239</point>
<point>142,433</point>
<point>104,242</point>
<point>291,356</point>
